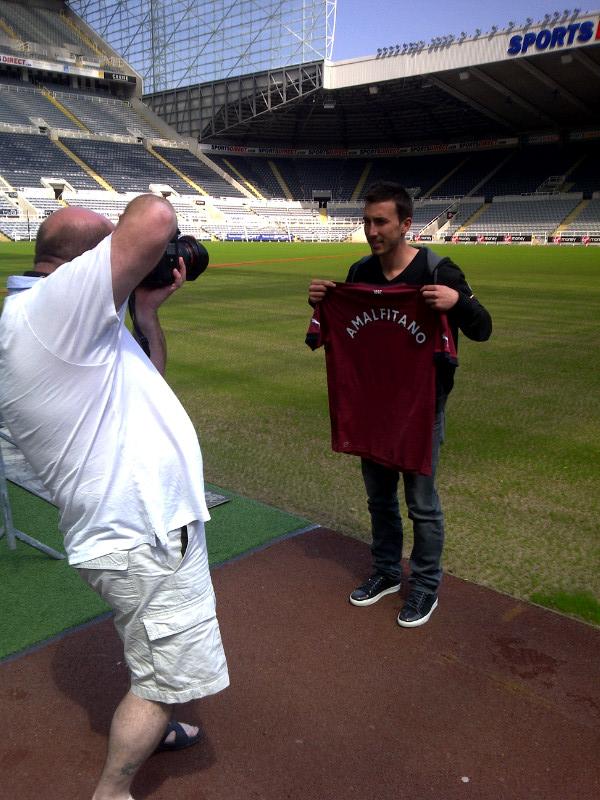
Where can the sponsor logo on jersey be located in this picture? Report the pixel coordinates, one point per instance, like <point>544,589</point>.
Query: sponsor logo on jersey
<point>551,38</point>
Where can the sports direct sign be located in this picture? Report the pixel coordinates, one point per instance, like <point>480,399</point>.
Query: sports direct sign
<point>552,38</point>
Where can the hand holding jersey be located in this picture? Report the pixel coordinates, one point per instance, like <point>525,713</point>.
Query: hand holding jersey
<point>439,297</point>
<point>318,289</point>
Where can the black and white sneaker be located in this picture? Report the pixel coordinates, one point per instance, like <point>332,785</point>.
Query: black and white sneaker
<point>373,590</point>
<point>418,608</point>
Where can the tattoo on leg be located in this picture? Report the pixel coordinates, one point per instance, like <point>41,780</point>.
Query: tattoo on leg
<point>130,768</point>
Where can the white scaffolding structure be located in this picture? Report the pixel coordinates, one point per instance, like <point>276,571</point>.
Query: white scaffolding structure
<point>180,43</point>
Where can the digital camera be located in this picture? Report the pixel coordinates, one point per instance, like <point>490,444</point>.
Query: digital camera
<point>195,258</point>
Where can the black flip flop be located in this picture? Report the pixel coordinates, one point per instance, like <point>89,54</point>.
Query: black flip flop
<point>181,741</point>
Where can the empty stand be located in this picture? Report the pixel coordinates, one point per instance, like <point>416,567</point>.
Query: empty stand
<point>585,175</point>
<point>426,213</point>
<point>471,173</point>
<point>420,173</point>
<point>303,176</point>
<point>588,219</point>
<point>528,170</point>
<point>241,221</point>
<point>293,220</point>
<point>126,167</point>
<point>21,104</point>
<point>105,114</point>
<point>191,216</point>
<point>19,229</point>
<point>26,158</point>
<point>9,43</point>
<point>538,216</point>
<point>42,203</point>
<point>462,211</point>
<point>254,170</point>
<point>43,25</point>
<point>109,204</point>
<point>198,171</point>
<point>347,210</point>
<point>8,208</point>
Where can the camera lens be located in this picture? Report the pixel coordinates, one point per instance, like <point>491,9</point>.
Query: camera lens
<point>195,256</point>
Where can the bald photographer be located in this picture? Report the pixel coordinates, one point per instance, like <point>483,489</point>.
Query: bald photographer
<point>87,404</point>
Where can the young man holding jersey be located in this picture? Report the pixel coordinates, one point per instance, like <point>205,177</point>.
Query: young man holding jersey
<point>393,262</point>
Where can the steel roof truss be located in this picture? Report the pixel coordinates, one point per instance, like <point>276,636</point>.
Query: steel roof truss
<point>552,84</point>
<point>247,97</point>
<point>511,95</point>
<point>485,110</point>
<point>587,62</point>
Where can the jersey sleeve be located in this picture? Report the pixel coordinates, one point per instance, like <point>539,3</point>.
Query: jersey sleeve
<point>72,313</point>
<point>468,314</point>
<point>313,334</point>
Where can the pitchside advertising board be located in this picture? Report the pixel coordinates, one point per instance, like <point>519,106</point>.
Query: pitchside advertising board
<point>571,35</point>
<point>562,239</point>
<point>483,238</point>
<point>511,238</point>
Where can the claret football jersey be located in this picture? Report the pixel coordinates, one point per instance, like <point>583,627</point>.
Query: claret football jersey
<point>381,345</point>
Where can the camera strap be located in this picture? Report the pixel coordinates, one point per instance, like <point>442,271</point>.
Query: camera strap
<point>139,336</point>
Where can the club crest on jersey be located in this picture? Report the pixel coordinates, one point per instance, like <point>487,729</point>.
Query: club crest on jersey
<point>385,315</point>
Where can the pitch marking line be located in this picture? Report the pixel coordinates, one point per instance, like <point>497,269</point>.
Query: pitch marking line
<point>268,261</point>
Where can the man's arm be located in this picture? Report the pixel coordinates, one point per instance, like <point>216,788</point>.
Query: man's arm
<point>147,324</point>
<point>454,295</point>
<point>139,241</point>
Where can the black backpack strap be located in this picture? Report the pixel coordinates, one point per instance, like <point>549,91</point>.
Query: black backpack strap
<point>354,269</point>
<point>433,262</point>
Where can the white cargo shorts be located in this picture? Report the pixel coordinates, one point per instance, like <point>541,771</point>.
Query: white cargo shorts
<point>164,612</point>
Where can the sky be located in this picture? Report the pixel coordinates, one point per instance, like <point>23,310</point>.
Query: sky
<point>363,26</point>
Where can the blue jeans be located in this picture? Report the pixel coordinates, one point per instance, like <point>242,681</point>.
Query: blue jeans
<point>424,509</point>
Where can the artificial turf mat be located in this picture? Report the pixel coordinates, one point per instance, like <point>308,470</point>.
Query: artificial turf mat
<point>41,597</point>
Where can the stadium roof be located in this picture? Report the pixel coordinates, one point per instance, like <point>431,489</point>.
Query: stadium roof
<point>510,82</point>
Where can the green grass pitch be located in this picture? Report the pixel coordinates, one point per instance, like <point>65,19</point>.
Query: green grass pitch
<point>520,467</point>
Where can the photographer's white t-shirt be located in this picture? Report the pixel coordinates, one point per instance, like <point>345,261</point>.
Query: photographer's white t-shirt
<point>95,419</point>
